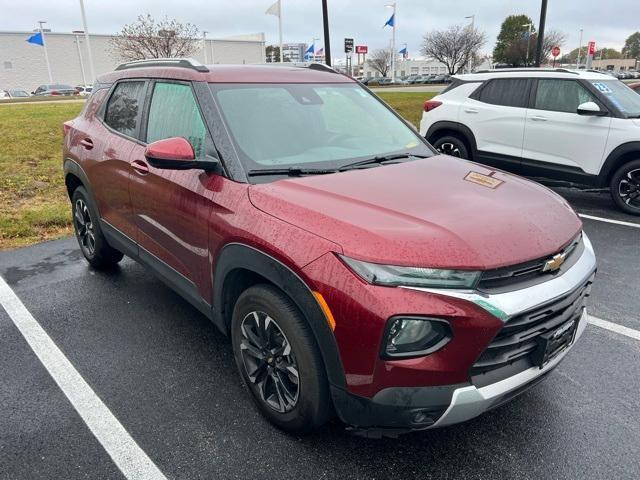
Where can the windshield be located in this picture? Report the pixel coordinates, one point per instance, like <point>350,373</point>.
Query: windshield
<point>310,125</point>
<point>624,99</point>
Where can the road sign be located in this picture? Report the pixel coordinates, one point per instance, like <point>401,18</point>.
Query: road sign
<point>555,51</point>
<point>348,45</point>
<point>362,49</point>
<point>592,48</point>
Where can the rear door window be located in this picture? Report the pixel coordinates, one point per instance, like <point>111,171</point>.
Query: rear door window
<point>175,113</point>
<point>124,108</point>
<point>561,95</point>
<point>507,92</point>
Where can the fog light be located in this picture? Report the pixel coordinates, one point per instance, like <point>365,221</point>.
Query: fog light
<point>415,336</point>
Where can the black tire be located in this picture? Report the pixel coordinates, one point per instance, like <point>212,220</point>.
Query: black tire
<point>450,145</point>
<point>90,238</point>
<point>310,406</point>
<point>625,187</point>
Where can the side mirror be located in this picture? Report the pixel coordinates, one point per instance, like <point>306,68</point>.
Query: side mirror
<point>590,108</point>
<point>176,154</point>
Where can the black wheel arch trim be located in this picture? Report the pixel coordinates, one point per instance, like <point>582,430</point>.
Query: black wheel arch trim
<point>615,160</point>
<point>456,127</point>
<point>234,256</point>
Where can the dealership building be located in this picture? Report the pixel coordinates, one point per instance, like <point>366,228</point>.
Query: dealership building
<point>22,64</point>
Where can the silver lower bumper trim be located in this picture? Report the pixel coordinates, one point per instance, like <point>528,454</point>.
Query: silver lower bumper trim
<point>469,402</point>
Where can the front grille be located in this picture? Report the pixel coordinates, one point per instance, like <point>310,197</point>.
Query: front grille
<point>513,348</point>
<point>529,273</point>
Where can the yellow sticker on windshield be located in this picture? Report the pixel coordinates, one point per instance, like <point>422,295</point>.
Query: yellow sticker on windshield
<point>484,180</point>
<point>411,145</point>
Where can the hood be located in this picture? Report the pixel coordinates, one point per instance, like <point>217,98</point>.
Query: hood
<point>426,213</point>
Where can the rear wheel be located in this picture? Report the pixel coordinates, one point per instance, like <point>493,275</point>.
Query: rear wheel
<point>92,243</point>
<point>450,145</point>
<point>625,187</point>
<point>279,361</point>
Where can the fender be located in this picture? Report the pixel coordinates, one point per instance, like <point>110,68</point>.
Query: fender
<point>617,158</point>
<point>239,256</point>
<point>458,127</point>
<point>73,167</point>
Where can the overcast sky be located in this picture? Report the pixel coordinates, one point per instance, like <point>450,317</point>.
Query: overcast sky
<point>608,23</point>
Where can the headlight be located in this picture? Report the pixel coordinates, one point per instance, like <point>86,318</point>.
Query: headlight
<point>394,276</point>
<point>414,336</point>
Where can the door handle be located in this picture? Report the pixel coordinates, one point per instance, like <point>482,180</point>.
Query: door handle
<point>140,167</point>
<point>87,143</point>
<point>538,118</point>
<point>470,110</point>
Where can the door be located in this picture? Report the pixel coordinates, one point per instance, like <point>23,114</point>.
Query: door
<point>496,114</point>
<point>110,144</point>
<point>556,135</point>
<point>171,207</point>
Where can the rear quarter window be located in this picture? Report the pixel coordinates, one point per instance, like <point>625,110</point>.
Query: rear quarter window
<point>506,92</point>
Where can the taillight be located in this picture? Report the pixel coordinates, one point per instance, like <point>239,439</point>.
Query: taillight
<point>431,104</point>
<point>54,92</point>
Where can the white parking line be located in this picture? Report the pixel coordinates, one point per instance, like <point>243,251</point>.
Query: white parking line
<point>614,327</point>
<point>132,461</point>
<point>609,220</point>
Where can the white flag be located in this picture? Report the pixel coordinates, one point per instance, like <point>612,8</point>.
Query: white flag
<point>274,9</point>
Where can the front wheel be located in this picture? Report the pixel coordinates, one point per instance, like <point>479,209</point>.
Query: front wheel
<point>625,187</point>
<point>453,146</point>
<point>279,361</point>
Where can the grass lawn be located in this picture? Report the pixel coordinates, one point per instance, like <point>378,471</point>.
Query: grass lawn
<point>33,200</point>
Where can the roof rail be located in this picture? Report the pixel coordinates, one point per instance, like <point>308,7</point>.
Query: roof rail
<point>309,65</point>
<point>530,69</point>
<point>164,62</point>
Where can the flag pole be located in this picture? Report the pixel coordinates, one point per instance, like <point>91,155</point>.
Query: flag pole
<point>46,55</point>
<point>393,56</point>
<point>280,28</point>
<point>86,39</point>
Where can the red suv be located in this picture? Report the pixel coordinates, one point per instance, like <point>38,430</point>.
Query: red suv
<point>356,271</point>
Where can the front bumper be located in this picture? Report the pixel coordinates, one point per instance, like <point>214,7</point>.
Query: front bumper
<point>418,408</point>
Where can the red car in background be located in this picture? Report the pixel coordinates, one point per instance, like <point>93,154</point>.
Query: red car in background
<point>356,271</point>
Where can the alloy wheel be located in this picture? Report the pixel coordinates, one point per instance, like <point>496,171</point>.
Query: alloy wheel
<point>449,148</point>
<point>269,361</point>
<point>84,226</point>
<point>629,188</point>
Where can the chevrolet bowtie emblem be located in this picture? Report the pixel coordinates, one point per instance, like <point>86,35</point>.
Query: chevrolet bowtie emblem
<point>555,263</point>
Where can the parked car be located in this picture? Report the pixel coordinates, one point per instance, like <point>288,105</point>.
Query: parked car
<point>345,267</point>
<point>55,89</point>
<point>377,81</point>
<point>422,79</point>
<point>575,126</point>
<point>13,93</point>
<point>439,79</point>
<point>84,90</point>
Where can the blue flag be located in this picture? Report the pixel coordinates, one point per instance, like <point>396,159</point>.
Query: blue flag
<point>36,39</point>
<point>403,51</point>
<point>309,52</point>
<point>391,21</point>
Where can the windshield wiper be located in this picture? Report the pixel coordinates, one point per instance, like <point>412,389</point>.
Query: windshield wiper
<point>291,171</point>
<point>381,160</point>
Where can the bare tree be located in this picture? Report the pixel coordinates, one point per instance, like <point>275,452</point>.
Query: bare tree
<point>553,38</point>
<point>456,47</point>
<point>147,38</point>
<point>380,60</point>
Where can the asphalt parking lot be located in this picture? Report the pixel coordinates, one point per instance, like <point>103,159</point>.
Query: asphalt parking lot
<point>168,379</point>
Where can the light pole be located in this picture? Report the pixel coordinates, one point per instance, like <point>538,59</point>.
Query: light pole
<point>86,39</point>
<point>327,40</point>
<point>393,41</point>
<point>44,45</point>
<point>530,25</point>
<point>579,51</point>
<point>84,77</point>
<point>541,24</point>
<point>472,27</point>
<point>204,46</point>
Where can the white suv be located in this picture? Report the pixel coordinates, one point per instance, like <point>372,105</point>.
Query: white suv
<point>575,126</point>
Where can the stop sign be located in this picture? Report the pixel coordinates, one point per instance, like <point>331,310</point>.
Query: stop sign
<point>555,51</point>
